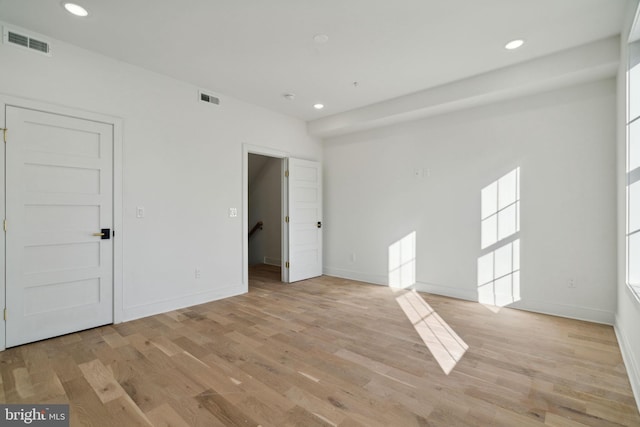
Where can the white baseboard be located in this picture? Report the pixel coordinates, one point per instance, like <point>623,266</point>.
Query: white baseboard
<point>383,280</point>
<point>569,311</point>
<point>446,291</point>
<point>157,307</point>
<point>630,362</point>
<point>273,261</point>
<point>543,307</point>
<point>374,279</point>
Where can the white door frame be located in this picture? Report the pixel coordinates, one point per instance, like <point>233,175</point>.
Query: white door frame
<point>282,155</point>
<point>7,100</point>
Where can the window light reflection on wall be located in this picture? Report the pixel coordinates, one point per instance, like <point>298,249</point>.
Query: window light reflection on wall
<point>499,265</point>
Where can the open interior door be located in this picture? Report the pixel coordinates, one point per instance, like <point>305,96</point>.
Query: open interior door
<point>304,219</point>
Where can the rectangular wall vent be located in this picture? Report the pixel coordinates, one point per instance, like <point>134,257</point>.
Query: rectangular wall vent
<point>39,45</point>
<point>19,38</point>
<point>205,97</point>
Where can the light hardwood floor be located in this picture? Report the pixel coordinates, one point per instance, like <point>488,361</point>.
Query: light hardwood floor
<point>329,351</point>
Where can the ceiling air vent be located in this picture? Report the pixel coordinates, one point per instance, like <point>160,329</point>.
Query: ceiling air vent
<point>205,97</point>
<point>19,38</point>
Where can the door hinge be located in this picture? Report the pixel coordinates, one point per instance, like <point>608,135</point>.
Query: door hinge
<point>4,134</point>
<point>4,225</point>
<point>286,174</point>
<point>286,264</point>
<point>286,219</point>
<point>5,314</point>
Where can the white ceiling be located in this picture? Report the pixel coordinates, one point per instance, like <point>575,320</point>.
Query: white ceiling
<point>257,50</point>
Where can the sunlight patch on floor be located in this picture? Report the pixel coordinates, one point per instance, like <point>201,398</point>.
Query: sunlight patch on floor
<point>441,340</point>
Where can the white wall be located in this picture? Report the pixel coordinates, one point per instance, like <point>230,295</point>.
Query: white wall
<point>265,205</point>
<point>628,311</point>
<point>564,143</point>
<point>182,163</point>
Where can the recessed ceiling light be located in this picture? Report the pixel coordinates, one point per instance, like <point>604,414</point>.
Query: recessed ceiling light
<point>318,106</point>
<point>514,44</point>
<point>75,9</point>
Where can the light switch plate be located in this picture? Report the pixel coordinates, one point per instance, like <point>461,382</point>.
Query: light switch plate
<point>139,212</point>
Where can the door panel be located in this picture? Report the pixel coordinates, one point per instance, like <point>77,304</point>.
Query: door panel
<point>305,213</point>
<point>59,192</point>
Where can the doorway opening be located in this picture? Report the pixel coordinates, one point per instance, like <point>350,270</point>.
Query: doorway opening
<point>299,216</point>
<point>264,211</point>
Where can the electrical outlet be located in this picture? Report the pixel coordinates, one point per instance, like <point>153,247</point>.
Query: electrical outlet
<point>571,283</point>
<point>233,212</point>
<point>198,273</point>
<point>420,173</point>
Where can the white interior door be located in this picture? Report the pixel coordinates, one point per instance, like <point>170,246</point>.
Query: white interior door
<point>59,193</point>
<point>305,219</point>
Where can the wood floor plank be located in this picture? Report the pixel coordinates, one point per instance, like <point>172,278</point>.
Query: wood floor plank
<point>165,416</point>
<point>129,414</point>
<point>219,405</point>
<point>102,381</point>
<point>330,352</point>
<point>85,408</point>
<point>24,387</point>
